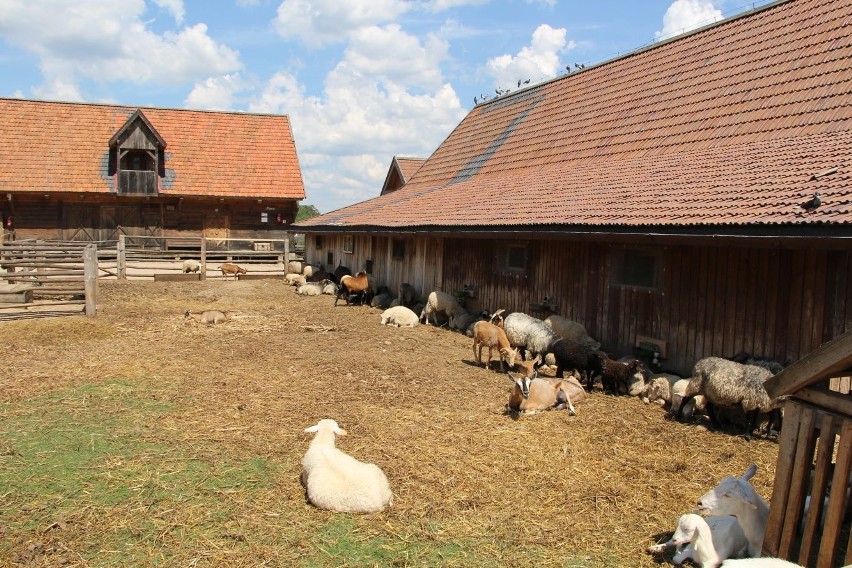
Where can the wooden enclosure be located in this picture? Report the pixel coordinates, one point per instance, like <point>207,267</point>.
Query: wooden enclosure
<point>47,279</point>
<point>697,300</point>
<point>814,460</point>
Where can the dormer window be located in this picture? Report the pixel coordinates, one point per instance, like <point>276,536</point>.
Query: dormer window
<point>137,157</point>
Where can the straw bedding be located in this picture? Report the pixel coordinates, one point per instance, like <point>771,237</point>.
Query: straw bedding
<point>549,489</point>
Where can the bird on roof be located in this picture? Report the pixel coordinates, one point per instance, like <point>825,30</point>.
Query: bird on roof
<point>475,101</point>
<point>527,82</point>
<point>519,83</point>
<point>577,66</point>
<point>813,202</point>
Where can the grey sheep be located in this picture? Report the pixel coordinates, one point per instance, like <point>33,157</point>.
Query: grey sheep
<point>727,383</point>
<point>529,334</point>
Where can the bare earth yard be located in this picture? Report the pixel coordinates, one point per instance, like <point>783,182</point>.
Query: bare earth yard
<point>136,439</point>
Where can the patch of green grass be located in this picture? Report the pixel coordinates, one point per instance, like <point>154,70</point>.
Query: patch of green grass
<point>79,454</point>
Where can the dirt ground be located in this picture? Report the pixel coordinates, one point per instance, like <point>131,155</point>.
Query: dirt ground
<point>549,490</point>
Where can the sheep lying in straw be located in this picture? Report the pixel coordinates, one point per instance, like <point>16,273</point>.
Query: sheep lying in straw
<point>707,542</point>
<point>338,482</point>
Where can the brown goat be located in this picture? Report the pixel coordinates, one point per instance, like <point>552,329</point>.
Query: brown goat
<point>489,335</point>
<point>352,286</point>
<point>231,268</point>
<point>532,395</point>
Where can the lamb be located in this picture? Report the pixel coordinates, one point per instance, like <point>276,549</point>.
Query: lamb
<point>707,542</point>
<point>569,329</point>
<point>441,302</point>
<point>208,317</point>
<point>231,268</point>
<point>618,377</point>
<point>294,279</point>
<point>407,295</point>
<point>736,496</point>
<point>399,316</point>
<point>353,287</point>
<point>191,266</point>
<point>529,334</point>
<point>533,395</point>
<point>759,563</point>
<point>726,383</point>
<point>338,482</point>
<point>667,389</point>
<point>489,335</point>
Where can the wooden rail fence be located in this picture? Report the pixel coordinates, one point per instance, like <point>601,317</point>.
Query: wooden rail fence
<point>46,279</point>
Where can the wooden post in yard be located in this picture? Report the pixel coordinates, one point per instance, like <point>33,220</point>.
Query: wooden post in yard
<point>203,258</point>
<point>286,249</point>
<point>90,277</point>
<point>121,260</point>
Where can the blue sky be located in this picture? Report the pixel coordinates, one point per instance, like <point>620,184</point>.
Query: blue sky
<point>362,80</point>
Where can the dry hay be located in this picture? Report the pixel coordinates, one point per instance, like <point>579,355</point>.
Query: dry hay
<point>550,489</point>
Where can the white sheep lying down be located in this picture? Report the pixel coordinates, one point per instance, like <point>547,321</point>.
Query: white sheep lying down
<point>399,316</point>
<point>338,482</point>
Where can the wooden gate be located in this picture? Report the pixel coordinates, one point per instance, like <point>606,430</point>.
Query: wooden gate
<point>79,222</point>
<point>116,221</point>
<point>217,229</point>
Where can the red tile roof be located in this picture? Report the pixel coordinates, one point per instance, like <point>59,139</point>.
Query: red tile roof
<point>729,125</point>
<point>401,170</point>
<point>50,146</point>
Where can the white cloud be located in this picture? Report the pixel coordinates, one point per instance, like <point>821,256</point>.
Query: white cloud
<point>105,41</point>
<point>684,15</point>
<point>322,22</point>
<point>441,5</point>
<point>173,7</point>
<point>215,93</point>
<point>537,61</point>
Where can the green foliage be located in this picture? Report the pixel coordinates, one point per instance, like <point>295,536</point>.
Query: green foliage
<point>306,212</point>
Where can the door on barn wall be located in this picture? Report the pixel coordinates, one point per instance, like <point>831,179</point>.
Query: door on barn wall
<point>117,221</point>
<point>217,229</point>
<point>78,222</point>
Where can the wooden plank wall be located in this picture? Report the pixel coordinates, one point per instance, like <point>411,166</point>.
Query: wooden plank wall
<point>712,300</point>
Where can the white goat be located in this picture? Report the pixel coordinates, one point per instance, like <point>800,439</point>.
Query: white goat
<point>441,302</point>
<point>338,482</point>
<point>706,542</point>
<point>399,316</point>
<point>759,563</point>
<point>191,266</point>
<point>736,496</point>
<point>533,395</point>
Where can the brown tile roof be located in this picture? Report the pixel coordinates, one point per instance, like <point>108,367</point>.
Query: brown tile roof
<point>49,146</point>
<point>400,171</point>
<point>728,125</point>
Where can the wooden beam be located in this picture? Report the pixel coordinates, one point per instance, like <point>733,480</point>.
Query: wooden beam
<point>90,261</point>
<point>829,359</point>
<point>829,400</point>
<point>836,500</point>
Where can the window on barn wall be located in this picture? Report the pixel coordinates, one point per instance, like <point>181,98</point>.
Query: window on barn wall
<point>516,257</point>
<point>318,241</point>
<point>398,249</point>
<point>637,268</point>
<point>348,244</point>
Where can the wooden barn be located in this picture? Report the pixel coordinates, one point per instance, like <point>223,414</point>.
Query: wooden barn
<point>814,460</point>
<point>92,172</point>
<point>692,197</point>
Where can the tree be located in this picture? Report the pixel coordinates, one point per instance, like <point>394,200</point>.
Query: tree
<point>306,212</point>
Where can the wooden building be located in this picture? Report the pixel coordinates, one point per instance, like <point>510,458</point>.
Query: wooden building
<point>814,460</point>
<point>665,198</point>
<point>90,172</point>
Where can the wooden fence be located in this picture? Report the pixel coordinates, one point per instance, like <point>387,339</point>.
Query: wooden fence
<point>46,279</point>
<point>160,258</point>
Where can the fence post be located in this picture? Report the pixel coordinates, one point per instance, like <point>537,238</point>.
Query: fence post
<point>90,276</point>
<point>121,260</point>
<point>203,258</point>
<point>286,249</point>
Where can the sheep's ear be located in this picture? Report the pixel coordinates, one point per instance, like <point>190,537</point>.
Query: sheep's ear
<point>749,473</point>
<point>314,428</point>
<point>340,432</point>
